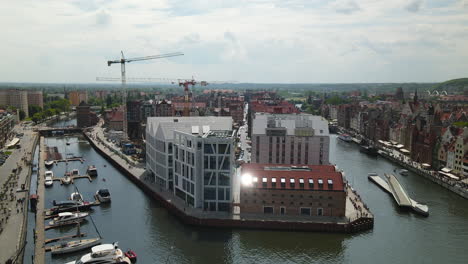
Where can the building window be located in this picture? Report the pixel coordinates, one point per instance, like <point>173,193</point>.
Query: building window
<point>264,182</point>
<point>268,209</point>
<point>311,183</point>
<point>273,182</point>
<point>292,183</point>
<point>282,210</point>
<point>301,183</point>
<point>283,183</point>
<point>319,211</point>
<point>305,210</point>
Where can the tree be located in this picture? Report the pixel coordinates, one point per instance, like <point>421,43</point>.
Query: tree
<point>34,109</point>
<point>22,115</point>
<point>37,117</point>
<point>108,100</point>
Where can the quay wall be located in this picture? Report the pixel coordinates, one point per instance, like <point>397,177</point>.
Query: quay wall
<point>358,225</point>
<point>426,175</point>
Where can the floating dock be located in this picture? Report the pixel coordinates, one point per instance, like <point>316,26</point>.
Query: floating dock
<point>393,187</point>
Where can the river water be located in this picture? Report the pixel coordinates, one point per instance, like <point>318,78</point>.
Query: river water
<point>137,222</point>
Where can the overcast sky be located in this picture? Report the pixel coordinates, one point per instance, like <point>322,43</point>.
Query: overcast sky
<point>285,41</point>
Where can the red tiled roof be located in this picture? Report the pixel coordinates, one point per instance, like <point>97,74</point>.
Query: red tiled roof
<point>299,173</point>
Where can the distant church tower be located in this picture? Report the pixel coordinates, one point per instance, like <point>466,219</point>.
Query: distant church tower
<point>415,98</point>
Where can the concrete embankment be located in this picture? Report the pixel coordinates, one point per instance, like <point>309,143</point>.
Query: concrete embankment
<point>39,252</point>
<point>360,224</point>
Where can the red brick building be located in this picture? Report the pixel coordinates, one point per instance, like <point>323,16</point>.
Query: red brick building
<point>311,190</point>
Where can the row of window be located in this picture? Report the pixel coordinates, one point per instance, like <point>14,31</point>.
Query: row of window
<point>292,196</point>
<point>282,202</point>
<point>292,182</point>
<point>302,211</point>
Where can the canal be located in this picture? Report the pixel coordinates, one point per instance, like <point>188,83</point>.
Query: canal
<point>137,222</point>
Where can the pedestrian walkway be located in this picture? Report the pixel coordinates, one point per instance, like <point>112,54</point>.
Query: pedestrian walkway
<point>14,181</point>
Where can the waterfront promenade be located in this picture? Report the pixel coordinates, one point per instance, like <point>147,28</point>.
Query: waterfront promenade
<point>14,174</point>
<point>459,187</point>
<point>358,216</point>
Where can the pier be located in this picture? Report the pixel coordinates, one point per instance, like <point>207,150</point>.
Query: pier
<point>393,187</point>
<point>39,252</point>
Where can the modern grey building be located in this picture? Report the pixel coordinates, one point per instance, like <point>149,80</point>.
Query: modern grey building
<point>193,157</point>
<point>290,139</point>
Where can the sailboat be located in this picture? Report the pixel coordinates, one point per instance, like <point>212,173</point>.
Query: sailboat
<point>75,245</point>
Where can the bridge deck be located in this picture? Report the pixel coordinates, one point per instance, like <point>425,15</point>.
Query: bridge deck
<point>398,192</point>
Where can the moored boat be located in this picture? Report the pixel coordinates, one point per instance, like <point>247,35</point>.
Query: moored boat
<point>404,172</point>
<point>49,163</point>
<point>68,218</point>
<point>48,181</point>
<point>105,253</point>
<point>92,171</point>
<point>74,245</point>
<point>103,195</point>
<point>345,137</point>
<point>66,179</point>
<point>75,173</point>
<point>368,150</point>
<point>76,196</point>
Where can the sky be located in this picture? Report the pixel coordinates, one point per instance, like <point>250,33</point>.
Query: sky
<point>260,41</point>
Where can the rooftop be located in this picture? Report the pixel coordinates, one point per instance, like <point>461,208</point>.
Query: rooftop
<point>301,177</point>
<point>164,127</point>
<point>293,123</point>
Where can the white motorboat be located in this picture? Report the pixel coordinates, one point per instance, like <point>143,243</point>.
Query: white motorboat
<point>68,218</point>
<point>76,196</point>
<point>49,174</point>
<point>74,245</point>
<point>92,171</point>
<point>103,195</point>
<point>67,179</point>
<point>404,172</point>
<point>48,181</point>
<point>345,137</point>
<point>75,172</point>
<point>49,163</point>
<point>105,253</point>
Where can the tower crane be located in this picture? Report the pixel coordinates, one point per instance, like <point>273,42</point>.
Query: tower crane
<point>122,61</point>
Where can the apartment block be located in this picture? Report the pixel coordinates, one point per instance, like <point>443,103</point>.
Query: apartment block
<point>16,98</point>
<point>290,139</point>
<point>193,157</point>
<point>35,98</point>
<point>76,97</point>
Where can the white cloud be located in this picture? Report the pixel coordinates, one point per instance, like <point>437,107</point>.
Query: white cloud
<point>346,6</point>
<point>414,5</point>
<point>253,41</point>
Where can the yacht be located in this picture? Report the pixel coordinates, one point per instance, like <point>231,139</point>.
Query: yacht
<point>67,179</point>
<point>68,218</point>
<point>49,174</point>
<point>49,163</point>
<point>105,253</point>
<point>74,245</point>
<point>48,181</point>
<point>103,195</point>
<point>404,172</point>
<point>75,172</point>
<point>92,171</point>
<point>76,196</point>
<point>345,137</point>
